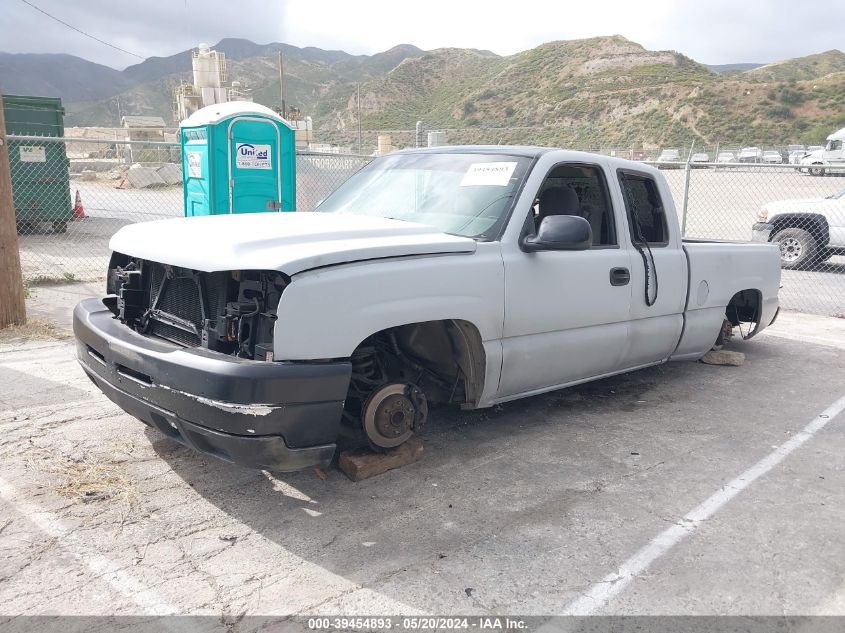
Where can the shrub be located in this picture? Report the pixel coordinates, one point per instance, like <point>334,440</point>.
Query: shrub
<point>780,112</point>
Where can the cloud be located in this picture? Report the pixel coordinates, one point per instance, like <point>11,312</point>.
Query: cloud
<point>716,31</point>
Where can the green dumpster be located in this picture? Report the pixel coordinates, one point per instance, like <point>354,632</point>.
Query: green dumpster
<point>40,169</point>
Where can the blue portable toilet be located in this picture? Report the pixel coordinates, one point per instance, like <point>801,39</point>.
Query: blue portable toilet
<point>237,157</point>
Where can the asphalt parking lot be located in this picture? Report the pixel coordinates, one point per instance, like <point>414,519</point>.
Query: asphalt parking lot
<point>685,489</point>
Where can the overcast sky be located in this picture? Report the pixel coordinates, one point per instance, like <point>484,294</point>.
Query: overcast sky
<point>709,31</point>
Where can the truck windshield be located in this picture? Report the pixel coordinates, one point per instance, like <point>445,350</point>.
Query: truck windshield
<point>462,194</point>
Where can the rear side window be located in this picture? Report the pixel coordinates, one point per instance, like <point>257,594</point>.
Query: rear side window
<point>646,213</point>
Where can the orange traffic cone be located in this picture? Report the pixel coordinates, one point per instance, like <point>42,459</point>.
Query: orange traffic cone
<point>78,209</point>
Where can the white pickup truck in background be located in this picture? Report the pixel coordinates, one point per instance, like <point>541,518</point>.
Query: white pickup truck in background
<point>809,231</point>
<point>463,275</point>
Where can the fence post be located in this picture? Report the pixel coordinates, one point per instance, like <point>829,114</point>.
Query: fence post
<point>12,305</point>
<point>686,191</point>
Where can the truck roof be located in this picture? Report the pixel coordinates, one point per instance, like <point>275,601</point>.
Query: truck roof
<point>839,135</point>
<point>529,151</point>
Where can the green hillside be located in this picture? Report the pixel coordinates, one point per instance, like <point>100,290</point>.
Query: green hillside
<point>801,69</point>
<point>579,93</point>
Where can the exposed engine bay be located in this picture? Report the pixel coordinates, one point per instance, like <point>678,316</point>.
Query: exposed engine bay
<point>232,312</point>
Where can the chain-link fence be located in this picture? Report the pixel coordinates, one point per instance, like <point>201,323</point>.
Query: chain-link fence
<point>803,213</point>
<point>72,195</point>
<point>112,183</point>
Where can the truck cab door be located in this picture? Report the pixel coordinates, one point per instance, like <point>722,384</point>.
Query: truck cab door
<point>566,312</point>
<point>834,152</point>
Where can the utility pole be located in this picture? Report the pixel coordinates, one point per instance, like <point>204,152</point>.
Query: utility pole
<point>12,306</point>
<point>282,83</point>
<point>359,118</point>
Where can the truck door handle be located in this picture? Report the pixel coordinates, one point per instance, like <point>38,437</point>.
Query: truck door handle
<point>620,276</point>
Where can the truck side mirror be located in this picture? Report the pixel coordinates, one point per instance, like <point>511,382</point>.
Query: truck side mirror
<point>560,233</point>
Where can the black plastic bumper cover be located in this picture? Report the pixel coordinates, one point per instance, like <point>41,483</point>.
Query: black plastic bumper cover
<point>274,416</point>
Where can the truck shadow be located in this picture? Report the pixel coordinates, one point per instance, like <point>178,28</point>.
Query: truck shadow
<point>524,466</point>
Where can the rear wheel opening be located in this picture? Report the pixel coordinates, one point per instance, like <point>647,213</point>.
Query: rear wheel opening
<point>744,312</point>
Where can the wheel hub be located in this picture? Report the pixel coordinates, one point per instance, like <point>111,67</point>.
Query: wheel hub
<point>790,249</point>
<point>392,413</point>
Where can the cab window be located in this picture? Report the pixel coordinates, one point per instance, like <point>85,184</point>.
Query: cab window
<point>576,189</point>
<point>646,213</point>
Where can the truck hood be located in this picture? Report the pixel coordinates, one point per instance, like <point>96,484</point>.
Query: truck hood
<point>809,157</point>
<point>287,242</point>
<point>802,205</point>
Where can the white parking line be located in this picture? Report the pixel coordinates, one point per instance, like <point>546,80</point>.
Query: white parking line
<point>104,568</point>
<point>601,592</point>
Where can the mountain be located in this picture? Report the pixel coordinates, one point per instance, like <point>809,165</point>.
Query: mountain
<point>66,76</point>
<point>732,68</point>
<point>801,68</point>
<point>579,93</point>
<point>588,93</point>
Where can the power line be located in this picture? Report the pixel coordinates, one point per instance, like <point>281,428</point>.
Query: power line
<point>70,26</point>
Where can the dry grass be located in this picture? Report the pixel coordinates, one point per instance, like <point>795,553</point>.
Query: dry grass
<point>33,330</point>
<point>90,481</point>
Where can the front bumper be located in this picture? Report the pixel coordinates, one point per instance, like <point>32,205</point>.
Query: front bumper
<point>761,232</point>
<point>274,416</point>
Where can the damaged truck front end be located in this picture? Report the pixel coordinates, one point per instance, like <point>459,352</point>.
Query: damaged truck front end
<point>191,353</point>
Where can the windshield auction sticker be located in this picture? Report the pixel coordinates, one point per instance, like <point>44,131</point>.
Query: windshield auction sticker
<point>488,174</point>
<point>249,156</point>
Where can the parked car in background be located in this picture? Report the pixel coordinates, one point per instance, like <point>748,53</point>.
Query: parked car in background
<point>792,150</point>
<point>698,158</point>
<point>808,230</point>
<point>669,159</point>
<point>796,155</point>
<point>750,155</point>
<point>772,157</point>
<point>726,157</point>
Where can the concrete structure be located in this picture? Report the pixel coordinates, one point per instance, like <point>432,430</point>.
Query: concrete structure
<point>211,84</point>
<point>143,128</point>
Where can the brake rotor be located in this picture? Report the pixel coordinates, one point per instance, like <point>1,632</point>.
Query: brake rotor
<point>392,413</point>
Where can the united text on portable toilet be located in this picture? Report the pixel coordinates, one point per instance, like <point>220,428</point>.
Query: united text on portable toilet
<point>237,157</point>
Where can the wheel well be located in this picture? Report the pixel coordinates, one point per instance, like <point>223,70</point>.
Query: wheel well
<point>816,225</point>
<point>746,306</point>
<point>444,358</point>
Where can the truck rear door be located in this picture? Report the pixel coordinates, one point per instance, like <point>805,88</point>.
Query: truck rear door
<point>658,270</point>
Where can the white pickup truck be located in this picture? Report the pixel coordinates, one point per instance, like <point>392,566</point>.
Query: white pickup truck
<point>462,275</point>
